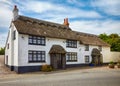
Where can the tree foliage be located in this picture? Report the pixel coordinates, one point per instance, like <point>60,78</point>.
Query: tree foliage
<point>113,40</point>
<point>2,51</point>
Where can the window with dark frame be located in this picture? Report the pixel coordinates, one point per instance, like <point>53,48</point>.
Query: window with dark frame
<point>86,59</point>
<point>8,46</point>
<point>71,56</point>
<point>14,34</point>
<point>36,56</point>
<point>100,48</point>
<point>71,43</point>
<point>36,40</point>
<point>86,47</point>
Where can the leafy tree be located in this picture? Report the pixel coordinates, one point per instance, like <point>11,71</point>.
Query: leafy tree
<point>2,51</point>
<point>112,39</point>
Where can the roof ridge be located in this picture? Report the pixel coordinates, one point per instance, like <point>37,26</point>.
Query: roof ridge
<point>85,34</point>
<point>35,19</point>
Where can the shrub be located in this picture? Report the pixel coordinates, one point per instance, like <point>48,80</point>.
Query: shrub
<point>46,68</point>
<point>118,64</point>
<point>111,64</point>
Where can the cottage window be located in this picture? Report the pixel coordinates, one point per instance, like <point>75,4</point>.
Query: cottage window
<point>36,56</point>
<point>100,48</point>
<point>71,56</point>
<point>8,46</point>
<point>86,59</point>
<point>71,43</point>
<point>36,40</point>
<point>86,47</point>
<point>14,34</point>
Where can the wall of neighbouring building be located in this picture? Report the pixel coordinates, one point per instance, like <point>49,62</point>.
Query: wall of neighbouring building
<point>115,56</point>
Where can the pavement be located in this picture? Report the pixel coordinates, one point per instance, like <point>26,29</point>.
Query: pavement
<point>3,69</point>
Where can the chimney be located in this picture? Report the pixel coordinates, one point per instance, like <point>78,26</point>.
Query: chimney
<point>15,13</point>
<point>66,23</point>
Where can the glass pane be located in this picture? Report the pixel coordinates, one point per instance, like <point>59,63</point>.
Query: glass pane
<point>34,59</point>
<point>30,58</point>
<point>39,58</point>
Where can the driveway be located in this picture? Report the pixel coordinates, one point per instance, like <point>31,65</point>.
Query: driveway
<point>101,76</point>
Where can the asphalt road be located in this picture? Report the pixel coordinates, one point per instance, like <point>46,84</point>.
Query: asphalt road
<point>91,77</point>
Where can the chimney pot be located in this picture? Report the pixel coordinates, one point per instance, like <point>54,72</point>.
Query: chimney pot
<point>15,6</point>
<point>15,13</point>
<point>66,22</point>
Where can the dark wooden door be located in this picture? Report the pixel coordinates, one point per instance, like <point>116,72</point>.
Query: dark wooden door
<point>59,61</point>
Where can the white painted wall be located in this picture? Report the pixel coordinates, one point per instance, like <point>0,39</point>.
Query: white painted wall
<point>15,48</point>
<point>24,47</point>
<point>8,51</point>
<point>12,52</point>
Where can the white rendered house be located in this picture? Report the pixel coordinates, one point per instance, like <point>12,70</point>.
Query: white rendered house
<point>32,43</point>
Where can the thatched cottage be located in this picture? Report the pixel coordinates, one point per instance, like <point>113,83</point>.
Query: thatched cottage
<point>32,43</point>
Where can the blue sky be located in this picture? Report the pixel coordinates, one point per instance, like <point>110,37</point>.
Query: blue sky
<point>89,16</point>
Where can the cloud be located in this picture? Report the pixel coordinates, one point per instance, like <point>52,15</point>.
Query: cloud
<point>55,11</point>
<point>5,19</point>
<point>110,7</point>
<point>78,2</point>
<point>49,9</point>
<point>5,13</point>
<point>96,26</point>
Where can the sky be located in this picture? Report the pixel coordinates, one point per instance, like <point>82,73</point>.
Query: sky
<point>88,16</point>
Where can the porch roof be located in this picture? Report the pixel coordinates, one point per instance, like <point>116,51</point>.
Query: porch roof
<point>57,49</point>
<point>95,51</point>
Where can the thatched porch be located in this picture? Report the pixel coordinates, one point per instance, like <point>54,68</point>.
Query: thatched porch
<point>57,57</point>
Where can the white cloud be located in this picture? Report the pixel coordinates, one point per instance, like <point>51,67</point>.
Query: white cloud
<point>56,10</point>
<point>5,13</point>
<point>77,2</point>
<point>96,27</point>
<point>111,7</point>
<point>5,18</point>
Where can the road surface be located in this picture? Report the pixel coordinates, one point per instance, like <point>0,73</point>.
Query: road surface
<point>84,77</point>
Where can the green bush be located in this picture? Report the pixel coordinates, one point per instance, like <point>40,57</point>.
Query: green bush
<point>111,62</point>
<point>46,68</point>
<point>2,51</point>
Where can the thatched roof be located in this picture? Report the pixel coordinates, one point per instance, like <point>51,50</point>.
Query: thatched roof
<point>95,51</point>
<point>31,26</point>
<point>57,49</point>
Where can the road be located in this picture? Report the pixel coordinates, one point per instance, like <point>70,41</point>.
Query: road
<point>86,77</point>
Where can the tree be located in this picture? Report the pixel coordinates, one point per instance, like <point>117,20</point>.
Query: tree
<point>112,39</point>
<point>2,51</point>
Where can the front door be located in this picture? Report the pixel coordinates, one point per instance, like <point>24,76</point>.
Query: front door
<point>59,61</point>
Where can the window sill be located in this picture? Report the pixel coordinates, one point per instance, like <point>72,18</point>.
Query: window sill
<point>70,47</point>
<point>36,62</point>
<point>37,44</point>
<point>71,60</point>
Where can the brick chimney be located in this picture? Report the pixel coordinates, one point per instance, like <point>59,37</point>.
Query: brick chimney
<point>66,23</point>
<point>15,13</point>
